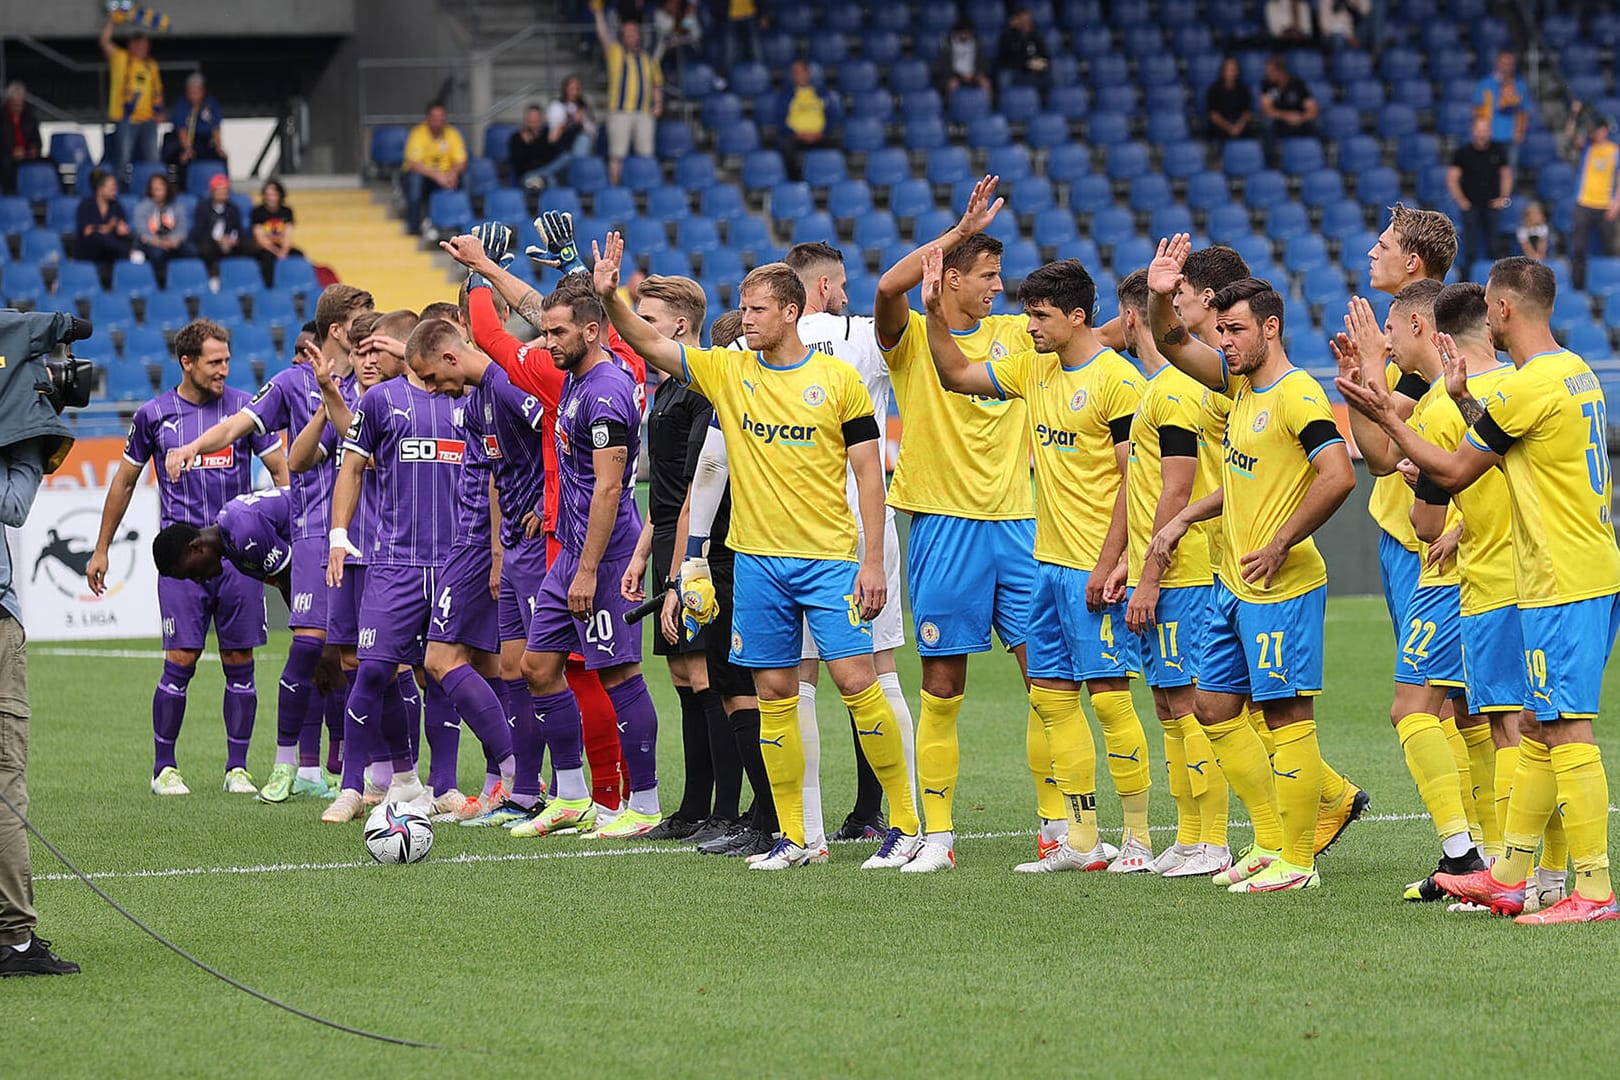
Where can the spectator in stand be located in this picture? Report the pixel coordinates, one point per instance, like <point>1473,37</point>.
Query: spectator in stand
<point>563,132</point>
<point>806,116</point>
<point>196,127</point>
<point>677,35</point>
<point>1337,20</point>
<point>961,60</point>
<point>134,98</point>
<point>528,150</point>
<point>1289,21</point>
<point>1286,103</point>
<point>1228,103</point>
<point>1533,233</point>
<point>19,136</point>
<point>739,22</point>
<point>1502,99</point>
<point>1482,184</point>
<point>162,226</point>
<point>102,232</point>
<point>217,229</point>
<point>1597,198</point>
<point>635,94</point>
<point>272,225</point>
<point>1021,57</point>
<point>435,158</point>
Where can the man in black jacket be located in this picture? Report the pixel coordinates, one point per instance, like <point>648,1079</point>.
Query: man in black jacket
<point>1022,55</point>
<point>216,230</point>
<point>19,136</point>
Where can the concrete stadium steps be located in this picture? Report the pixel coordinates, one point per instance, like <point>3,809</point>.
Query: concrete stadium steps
<point>352,230</point>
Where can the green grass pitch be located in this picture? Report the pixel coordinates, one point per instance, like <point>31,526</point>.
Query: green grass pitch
<point>666,963</point>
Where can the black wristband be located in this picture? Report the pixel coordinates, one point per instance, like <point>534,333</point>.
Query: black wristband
<point>1427,491</point>
<point>1412,385</point>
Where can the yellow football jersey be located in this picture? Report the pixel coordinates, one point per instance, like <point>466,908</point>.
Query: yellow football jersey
<point>959,455</point>
<point>1172,399</point>
<point>1485,555</point>
<point>1435,400</point>
<point>784,431</point>
<point>1267,472</point>
<point>1549,422</point>
<point>1071,411</point>
<point>1391,501</point>
<point>1216,408</point>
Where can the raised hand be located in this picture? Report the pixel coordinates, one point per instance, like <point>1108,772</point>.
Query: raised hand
<point>980,210</point>
<point>466,249</point>
<point>1164,272</point>
<point>1367,337</point>
<point>609,255</point>
<point>933,271</point>
<point>557,247</point>
<point>497,240</point>
<point>1454,364</point>
<point>1345,355</point>
<point>1370,398</point>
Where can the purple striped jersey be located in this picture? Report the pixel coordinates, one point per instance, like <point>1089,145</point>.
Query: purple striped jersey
<point>168,422</point>
<point>505,422</point>
<point>590,409</point>
<point>286,402</point>
<point>362,524</point>
<point>255,531</point>
<point>416,450</point>
<point>472,489</point>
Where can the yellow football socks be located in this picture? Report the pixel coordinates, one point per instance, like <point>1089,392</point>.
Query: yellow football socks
<point>1535,795</point>
<point>885,750</point>
<point>781,746</point>
<point>1126,743</point>
<point>1048,799</point>
<point>1298,766</point>
<point>1248,770</point>
<point>1175,763</point>
<point>1482,781</point>
<point>1429,760</point>
<point>1255,718</point>
<point>939,759</point>
<point>1074,760</point>
<point>1583,791</point>
<point>1554,845</point>
<point>1333,785</point>
<point>1465,786</point>
<point>1507,761</point>
<point>1207,782</point>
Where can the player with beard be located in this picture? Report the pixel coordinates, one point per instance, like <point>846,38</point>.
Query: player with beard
<point>233,603</point>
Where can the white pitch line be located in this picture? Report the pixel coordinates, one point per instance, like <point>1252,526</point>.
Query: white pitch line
<point>136,654</point>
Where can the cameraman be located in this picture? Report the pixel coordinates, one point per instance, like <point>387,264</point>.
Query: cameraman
<point>35,442</point>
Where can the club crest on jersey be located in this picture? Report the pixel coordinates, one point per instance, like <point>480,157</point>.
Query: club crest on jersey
<point>998,351</point>
<point>219,459</point>
<point>1261,421</point>
<point>443,451</point>
<point>736,643</point>
<point>929,633</point>
<point>492,447</point>
<point>814,395</point>
<point>1078,402</point>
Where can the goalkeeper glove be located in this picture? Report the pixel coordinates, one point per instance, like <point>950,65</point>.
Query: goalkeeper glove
<point>559,251</point>
<point>497,241</point>
<point>698,603</point>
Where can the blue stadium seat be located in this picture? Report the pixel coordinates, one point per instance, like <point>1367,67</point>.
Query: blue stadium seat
<point>41,246</point>
<point>1242,157</point>
<point>1207,190</point>
<point>1357,154</point>
<point>61,214</point>
<point>37,180</point>
<point>1285,221</point>
<point>1183,159</point>
<point>910,74</point>
<point>848,199</point>
<point>791,200</point>
<point>744,234</point>
<point>1378,187</point>
<point>505,204</point>
<point>1192,39</point>
<point>16,216</point>
<point>252,342</point>
<point>1432,189</point>
<point>1396,120</point>
<point>1340,122</point>
<point>388,146</point>
<point>188,277</point>
<point>911,197</point>
<point>240,274</point>
<point>198,175</point>
<point>1122,98</point>
<point>1068,163</point>
<point>1590,341</point>
<point>69,148</point>
<point>641,174</point>
<point>930,224</point>
<point>1454,119</point>
<point>145,345</point>
<point>1130,255</point>
<point>887,166</point>
<point>694,172</point>
<point>864,134</point>
<point>697,81</point>
<point>873,105</point>
<point>1031,195</point>
<point>1603,275</point>
<point>925,133</point>
<point>1158,70</point>
<point>875,229</point>
<point>720,111</point>
<point>134,280</point>
<point>1353,251</point>
<point>1305,251</point>
<point>1265,188</point>
<point>1300,156</point>
<point>1090,193</point>
<point>857,77</point>
<point>1018,259</point>
<point>498,142</point>
<point>824,167</point>
<point>1166,126</point>
<point>1539,148</point>
<point>948,165</point>
<point>762,169</point>
<point>1401,63</point>
<point>748,79</point>
<point>167,311</point>
<point>1227,223</point>
<point>894,18</point>
<point>270,308</point>
<point>989,132</point>
<point>816,226</point>
<point>1004,227</point>
<point>695,235</point>
<point>1570,309</point>
<point>828,48</point>
<point>481,176</point>
<point>670,262</point>
<point>645,234</point>
<point>126,380</point>
<point>1417,150</point>
<point>673,140</point>
<point>1169,219</point>
<point>1108,129</point>
<point>1112,225</point>
<point>969,103</point>
<point>1055,228</point>
<point>1321,189</point>
<point>111,313</point>
<point>1108,68</point>
<point>668,202</point>
<point>587,174</point>
<point>1010,162</point>
<point>1020,104</point>
<point>1150,192</point>
<point>22,286</point>
<point>76,280</point>
<point>736,139</point>
<point>723,202</point>
<point>1351,65</point>
<point>1418,93</point>
<point>1364,95</point>
<point>1342,218</point>
<point>1070,101</point>
<point>882,47</point>
<point>1556,182</point>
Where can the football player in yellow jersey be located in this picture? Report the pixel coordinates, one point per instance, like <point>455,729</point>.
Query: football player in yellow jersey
<point>1493,645</point>
<point>963,476</point>
<point>1171,464</point>
<point>1081,398</point>
<point>1546,426</point>
<point>1286,471</point>
<point>793,420</point>
<point>1430,636</point>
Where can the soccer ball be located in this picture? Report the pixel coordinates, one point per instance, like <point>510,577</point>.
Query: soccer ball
<point>398,833</point>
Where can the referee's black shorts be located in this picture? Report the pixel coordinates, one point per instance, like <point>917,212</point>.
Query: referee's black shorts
<point>724,676</point>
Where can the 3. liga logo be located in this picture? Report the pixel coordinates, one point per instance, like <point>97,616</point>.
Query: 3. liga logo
<point>66,555</point>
